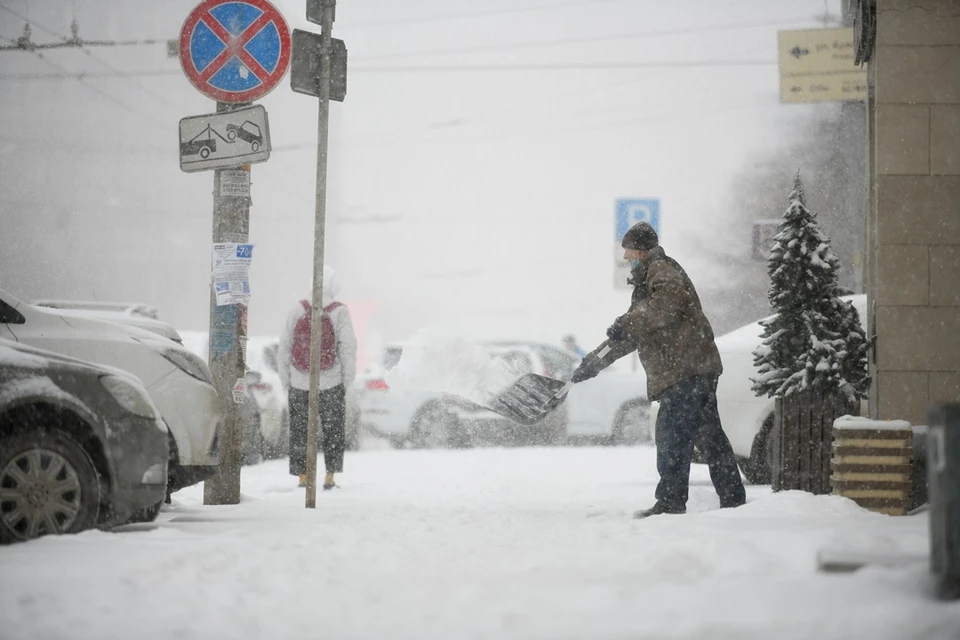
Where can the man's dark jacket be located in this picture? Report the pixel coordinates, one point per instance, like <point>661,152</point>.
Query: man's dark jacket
<point>666,326</point>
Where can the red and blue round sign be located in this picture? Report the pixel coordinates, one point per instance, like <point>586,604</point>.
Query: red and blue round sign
<point>235,50</point>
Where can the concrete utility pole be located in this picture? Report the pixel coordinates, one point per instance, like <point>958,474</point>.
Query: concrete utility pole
<point>323,125</point>
<point>231,223</point>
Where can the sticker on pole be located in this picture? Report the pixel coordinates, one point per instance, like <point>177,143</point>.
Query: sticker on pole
<point>239,390</point>
<point>235,50</point>
<point>231,273</point>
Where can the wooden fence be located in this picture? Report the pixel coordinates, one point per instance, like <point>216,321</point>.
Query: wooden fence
<point>802,438</point>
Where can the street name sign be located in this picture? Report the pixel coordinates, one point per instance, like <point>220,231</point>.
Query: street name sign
<point>826,87</point>
<point>224,140</point>
<point>817,65</point>
<point>807,51</point>
<point>234,51</point>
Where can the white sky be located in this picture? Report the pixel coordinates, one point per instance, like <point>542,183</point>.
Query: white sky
<point>479,200</point>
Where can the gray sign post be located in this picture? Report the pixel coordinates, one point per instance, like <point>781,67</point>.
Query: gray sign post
<point>304,68</point>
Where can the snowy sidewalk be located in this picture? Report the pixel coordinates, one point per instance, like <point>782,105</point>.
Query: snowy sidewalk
<point>488,543</point>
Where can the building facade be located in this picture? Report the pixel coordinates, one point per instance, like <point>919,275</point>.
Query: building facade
<point>912,50</point>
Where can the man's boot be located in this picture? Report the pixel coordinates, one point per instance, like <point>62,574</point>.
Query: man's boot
<point>657,509</point>
<point>303,480</point>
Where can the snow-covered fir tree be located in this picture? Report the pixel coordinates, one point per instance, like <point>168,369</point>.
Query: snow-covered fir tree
<point>815,340</point>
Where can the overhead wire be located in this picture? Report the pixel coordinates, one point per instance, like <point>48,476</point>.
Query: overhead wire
<point>104,94</point>
<point>569,66</point>
<point>478,14</point>
<point>89,54</point>
<point>591,39</point>
<point>573,66</point>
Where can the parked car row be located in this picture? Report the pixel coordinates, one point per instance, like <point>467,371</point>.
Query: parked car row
<point>75,391</point>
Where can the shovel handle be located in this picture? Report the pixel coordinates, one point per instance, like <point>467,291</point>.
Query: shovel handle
<point>600,355</point>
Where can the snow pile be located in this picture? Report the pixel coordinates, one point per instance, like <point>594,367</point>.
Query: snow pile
<point>856,422</point>
<point>437,361</point>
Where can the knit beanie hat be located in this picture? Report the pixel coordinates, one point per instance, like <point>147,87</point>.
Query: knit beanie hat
<point>640,236</point>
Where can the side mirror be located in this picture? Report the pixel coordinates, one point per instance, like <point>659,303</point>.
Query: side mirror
<point>9,315</point>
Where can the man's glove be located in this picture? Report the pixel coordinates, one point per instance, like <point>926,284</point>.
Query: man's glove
<point>617,332</point>
<point>583,372</point>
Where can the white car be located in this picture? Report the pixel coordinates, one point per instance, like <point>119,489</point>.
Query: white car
<point>610,408</point>
<point>263,388</point>
<point>747,419</point>
<point>178,382</point>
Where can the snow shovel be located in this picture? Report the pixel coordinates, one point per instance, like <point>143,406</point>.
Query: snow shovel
<point>532,397</point>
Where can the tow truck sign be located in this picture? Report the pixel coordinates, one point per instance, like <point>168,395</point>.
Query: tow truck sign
<point>223,140</point>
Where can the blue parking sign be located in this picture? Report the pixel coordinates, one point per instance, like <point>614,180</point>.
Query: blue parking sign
<point>631,211</point>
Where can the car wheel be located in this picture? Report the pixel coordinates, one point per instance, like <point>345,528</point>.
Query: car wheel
<point>231,134</point>
<point>205,153</point>
<point>434,427</point>
<point>48,484</point>
<point>760,468</point>
<point>632,425</point>
<point>255,146</point>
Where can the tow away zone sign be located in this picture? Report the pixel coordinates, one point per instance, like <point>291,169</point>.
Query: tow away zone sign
<point>224,140</point>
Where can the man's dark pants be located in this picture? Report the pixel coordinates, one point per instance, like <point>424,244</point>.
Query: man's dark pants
<point>688,414</point>
<point>333,417</point>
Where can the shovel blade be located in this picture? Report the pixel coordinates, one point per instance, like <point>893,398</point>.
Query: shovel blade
<point>530,399</point>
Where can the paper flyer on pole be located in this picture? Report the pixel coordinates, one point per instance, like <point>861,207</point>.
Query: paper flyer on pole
<point>231,272</point>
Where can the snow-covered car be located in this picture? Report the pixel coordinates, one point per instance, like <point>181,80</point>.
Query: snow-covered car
<point>610,408</point>
<point>81,445</point>
<point>126,308</point>
<point>148,324</point>
<point>747,419</point>
<point>178,382</point>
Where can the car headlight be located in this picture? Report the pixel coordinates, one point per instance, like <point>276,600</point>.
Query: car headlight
<point>129,397</point>
<point>189,363</point>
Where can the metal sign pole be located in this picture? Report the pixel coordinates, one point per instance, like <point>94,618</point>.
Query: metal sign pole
<point>323,122</point>
<point>231,223</point>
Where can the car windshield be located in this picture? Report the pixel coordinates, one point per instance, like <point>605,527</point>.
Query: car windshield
<point>519,362</point>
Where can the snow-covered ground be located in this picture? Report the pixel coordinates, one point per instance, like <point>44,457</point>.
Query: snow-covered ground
<point>486,543</point>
